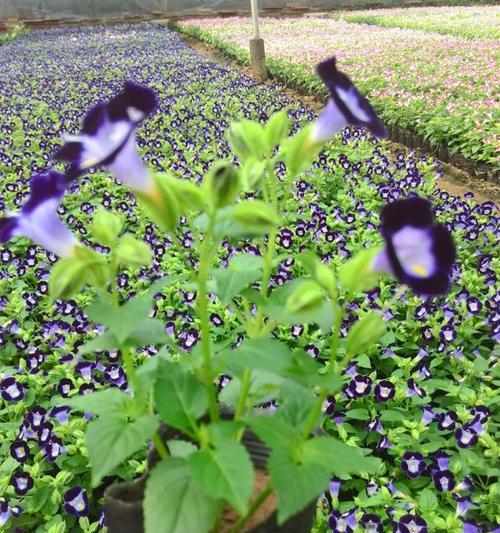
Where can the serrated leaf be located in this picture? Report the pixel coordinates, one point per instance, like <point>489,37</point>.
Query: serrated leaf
<point>179,397</point>
<point>112,440</point>
<point>189,507</point>
<point>225,472</point>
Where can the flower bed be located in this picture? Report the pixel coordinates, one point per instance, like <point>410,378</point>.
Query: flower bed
<point>420,400</point>
<point>442,87</point>
<point>470,21</point>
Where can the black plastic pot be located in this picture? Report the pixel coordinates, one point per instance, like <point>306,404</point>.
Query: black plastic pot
<point>123,501</point>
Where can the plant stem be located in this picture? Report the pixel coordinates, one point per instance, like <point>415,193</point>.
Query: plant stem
<point>245,386</point>
<point>261,498</point>
<point>160,446</point>
<point>202,301</point>
<point>128,363</point>
<point>314,414</point>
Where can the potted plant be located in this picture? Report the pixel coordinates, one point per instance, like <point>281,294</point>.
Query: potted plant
<point>248,455</point>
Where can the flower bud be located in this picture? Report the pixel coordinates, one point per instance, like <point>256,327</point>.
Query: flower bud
<point>246,139</point>
<point>222,184</point>
<point>358,273</point>
<point>161,203</point>
<point>365,332</point>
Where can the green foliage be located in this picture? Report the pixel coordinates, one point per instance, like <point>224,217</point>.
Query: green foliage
<point>172,493</point>
<point>179,397</point>
<point>111,440</point>
<point>225,472</point>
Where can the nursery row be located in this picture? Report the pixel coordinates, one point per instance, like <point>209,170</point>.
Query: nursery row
<point>464,21</point>
<point>441,87</point>
<point>421,400</point>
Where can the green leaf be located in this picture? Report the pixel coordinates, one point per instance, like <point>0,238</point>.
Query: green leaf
<point>246,139</point>
<point>181,448</point>
<point>132,251</point>
<point>106,227</point>
<point>295,484</point>
<point>229,283</point>
<point>105,341</point>
<point>255,216</point>
<point>179,397</point>
<point>225,472</point>
<point>174,502</point>
<point>427,501</point>
<point>112,440</point>
<point>298,152</point>
<point>338,458</point>
<point>277,311</point>
<point>365,332</point>
<point>67,277</point>
<point>273,430</point>
<point>111,402</point>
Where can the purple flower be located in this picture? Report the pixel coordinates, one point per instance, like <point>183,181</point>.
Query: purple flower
<point>447,421</point>
<point>465,484</point>
<point>345,106</point>
<point>375,425</point>
<point>427,415</point>
<point>466,437</point>
<point>482,412</point>
<point>60,413</point>
<point>413,464</point>
<point>470,526</point>
<point>107,138</point>
<point>418,252</point>
<point>441,459</point>
<point>342,522</point>
<point>444,480</point>
<point>22,483</point>
<point>11,390</point>
<point>359,386</point>
<point>38,219</point>
<point>20,451</point>
<point>372,523</point>
<point>413,389</point>
<point>334,487</point>
<point>412,524</point>
<point>76,502</point>
<point>464,503</point>
<point>4,511</point>
<point>384,391</point>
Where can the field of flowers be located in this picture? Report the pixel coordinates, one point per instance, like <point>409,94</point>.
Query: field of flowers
<point>442,87</point>
<point>464,21</point>
<point>429,401</point>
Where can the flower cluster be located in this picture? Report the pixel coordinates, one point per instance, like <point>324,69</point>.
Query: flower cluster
<point>442,86</point>
<point>407,397</point>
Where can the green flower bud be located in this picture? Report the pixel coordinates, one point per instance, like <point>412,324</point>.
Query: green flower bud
<point>222,184</point>
<point>307,297</point>
<point>357,273</point>
<point>161,203</point>
<point>365,333</point>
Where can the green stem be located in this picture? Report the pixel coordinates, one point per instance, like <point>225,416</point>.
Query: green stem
<point>245,387</point>
<point>261,498</point>
<point>314,414</point>
<point>128,362</point>
<point>202,301</point>
<point>160,446</point>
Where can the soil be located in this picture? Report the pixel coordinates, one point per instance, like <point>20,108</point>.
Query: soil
<point>230,516</point>
<point>454,181</point>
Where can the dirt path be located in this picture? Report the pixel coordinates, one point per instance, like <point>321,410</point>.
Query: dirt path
<point>455,181</point>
